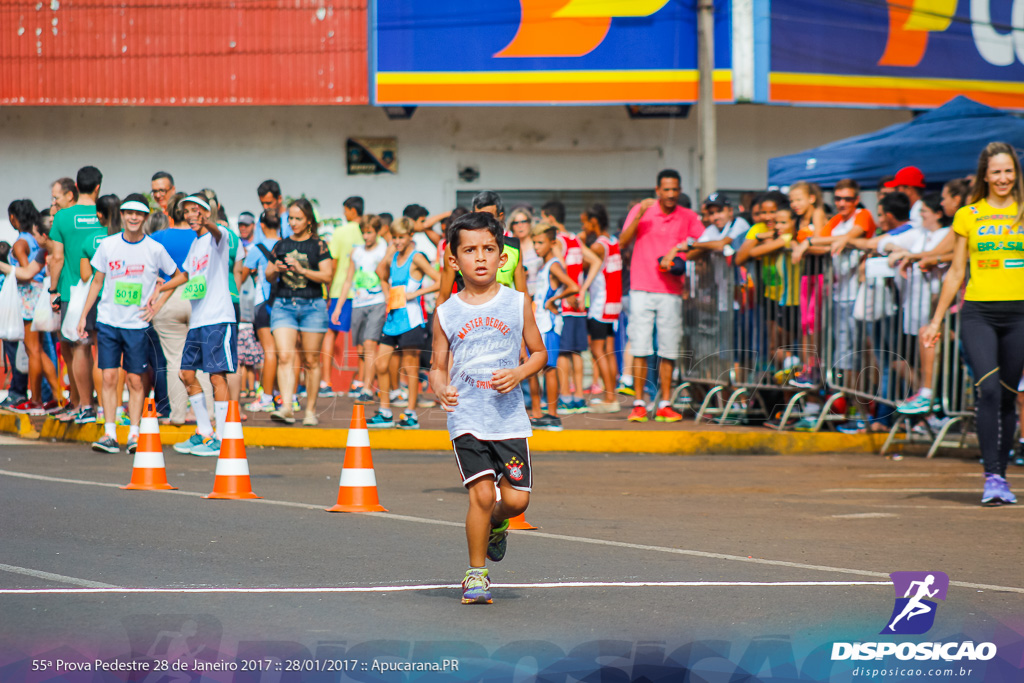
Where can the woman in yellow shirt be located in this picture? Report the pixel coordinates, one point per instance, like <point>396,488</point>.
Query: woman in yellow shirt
<point>990,236</point>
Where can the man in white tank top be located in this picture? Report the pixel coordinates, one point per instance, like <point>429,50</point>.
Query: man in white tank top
<point>481,329</point>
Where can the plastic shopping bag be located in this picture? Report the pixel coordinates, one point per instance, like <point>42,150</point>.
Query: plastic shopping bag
<point>12,327</point>
<point>43,317</point>
<point>76,304</point>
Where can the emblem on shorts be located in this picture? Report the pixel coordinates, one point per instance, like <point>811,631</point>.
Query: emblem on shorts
<point>515,469</point>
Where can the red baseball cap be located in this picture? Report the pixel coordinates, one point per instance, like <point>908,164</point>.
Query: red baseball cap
<point>908,176</point>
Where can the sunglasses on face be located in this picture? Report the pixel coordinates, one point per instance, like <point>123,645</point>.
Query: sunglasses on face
<point>846,199</point>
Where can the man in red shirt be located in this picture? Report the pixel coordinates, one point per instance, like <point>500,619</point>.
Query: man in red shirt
<point>661,229</point>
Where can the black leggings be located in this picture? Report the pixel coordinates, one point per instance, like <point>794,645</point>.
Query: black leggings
<point>992,333</point>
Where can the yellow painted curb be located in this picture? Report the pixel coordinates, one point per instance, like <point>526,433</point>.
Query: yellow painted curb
<point>675,442</point>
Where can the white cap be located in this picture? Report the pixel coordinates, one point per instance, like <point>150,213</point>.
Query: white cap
<point>197,199</point>
<point>135,205</point>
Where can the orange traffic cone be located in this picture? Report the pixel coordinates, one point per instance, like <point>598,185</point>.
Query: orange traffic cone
<point>148,472</point>
<point>357,491</point>
<point>519,523</point>
<point>232,481</point>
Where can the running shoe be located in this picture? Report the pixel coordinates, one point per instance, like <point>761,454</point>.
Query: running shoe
<point>805,380</point>
<point>262,404</point>
<point>185,447</point>
<point>133,444</point>
<point>281,416</point>
<point>52,408</point>
<point>993,492</point>
<point>580,406</point>
<point>11,401</point>
<point>805,424</point>
<point>381,421</point>
<point>26,407</point>
<point>498,542</point>
<point>599,406</point>
<point>915,405</point>
<point>325,390</point>
<point>310,421</point>
<point>301,392</point>
<point>68,415</point>
<point>1005,493</point>
<point>364,397</point>
<point>638,414</point>
<point>409,420</point>
<point>356,390</point>
<point>476,588</point>
<point>666,414</point>
<point>399,397</point>
<point>1018,455</point>
<point>547,423</point>
<point>595,390</point>
<point>106,445</point>
<point>625,389</point>
<point>566,407</point>
<point>209,448</point>
<point>86,415</point>
<point>775,422</point>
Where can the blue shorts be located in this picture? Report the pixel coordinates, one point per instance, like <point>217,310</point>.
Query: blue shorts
<point>304,315</point>
<point>211,348</point>
<point>120,348</point>
<point>344,320</point>
<point>552,342</point>
<point>574,334</point>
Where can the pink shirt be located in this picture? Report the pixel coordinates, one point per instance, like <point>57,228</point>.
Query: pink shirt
<point>655,236</point>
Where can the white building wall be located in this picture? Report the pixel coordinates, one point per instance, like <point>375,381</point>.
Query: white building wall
<point>233,149</point>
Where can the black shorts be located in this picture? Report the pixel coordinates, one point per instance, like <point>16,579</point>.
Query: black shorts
<point>598,330</point>
<point>90,320</point>
<point>508,458</point>
<point>261,317</point>
<point>413,340</point>
<point>238,311</point>
<point>574,334</point>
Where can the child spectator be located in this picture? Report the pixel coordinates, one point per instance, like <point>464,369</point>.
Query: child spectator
<point>605,305</point>
<point>553,285</point>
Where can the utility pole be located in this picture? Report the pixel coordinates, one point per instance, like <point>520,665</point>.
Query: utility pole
<point>707,135</point>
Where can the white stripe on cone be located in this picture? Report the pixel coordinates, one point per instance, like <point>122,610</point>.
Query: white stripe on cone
<point>358,438</point>
<point>148,461</point>
<point>353,477</point>
<point>232,467</point>
<point>149,425</point>
<point>232,430</point>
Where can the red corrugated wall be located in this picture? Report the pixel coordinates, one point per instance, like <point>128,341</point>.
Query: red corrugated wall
<point>183,52</point>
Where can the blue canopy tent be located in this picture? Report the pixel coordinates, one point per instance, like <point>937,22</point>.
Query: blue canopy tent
<point>944,143</point>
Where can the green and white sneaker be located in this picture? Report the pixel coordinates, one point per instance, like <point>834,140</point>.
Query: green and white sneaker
<point>915,405</point>
<point>498,542</point>
<point>185,447</point>
<point>476,588</point>
<point>209,448</point>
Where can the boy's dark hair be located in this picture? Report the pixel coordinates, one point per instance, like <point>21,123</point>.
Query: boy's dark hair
<point>134,197</point>
<point>780,200</point>
<point>685,201</point>
<point>67,185</point>
<point>885,179</point>
<point>933,200</point>
<point>598,213</point>
<point>164,174</point>
<point>488,198</point>
<point>898,204</point>
<point>270,186</point>
<point>477,220</point>
<point>415,212</point>
<point>354,203</point>
<point>555,209</point>
<point>669,173</point>
<point>88,179</point>
<point>386,218</point>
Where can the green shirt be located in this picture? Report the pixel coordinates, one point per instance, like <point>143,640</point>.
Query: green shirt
<point>342,242</point>
<point>507,273</point>
<point>233,243</point>
<point>78,229</point>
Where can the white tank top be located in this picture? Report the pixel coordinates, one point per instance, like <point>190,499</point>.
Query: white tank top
<point>483,339</point>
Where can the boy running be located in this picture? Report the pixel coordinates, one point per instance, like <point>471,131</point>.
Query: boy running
<point>483,327</point>
<point>126,267</point>
<point>212,341</point>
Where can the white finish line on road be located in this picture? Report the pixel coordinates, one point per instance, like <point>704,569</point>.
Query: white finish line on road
<point>538,534</point>
<point>434,587</point>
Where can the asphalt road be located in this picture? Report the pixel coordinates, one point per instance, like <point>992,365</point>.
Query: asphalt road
<point>697,530</point>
